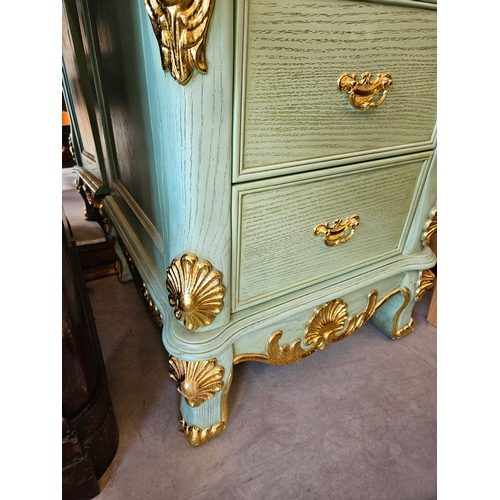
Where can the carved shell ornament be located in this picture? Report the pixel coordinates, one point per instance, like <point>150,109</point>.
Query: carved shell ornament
<point>195,291</point>
<point>181,28</point>
<point>328,321</point>
<point>197,381</point>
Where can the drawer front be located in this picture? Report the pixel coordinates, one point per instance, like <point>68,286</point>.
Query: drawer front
<point>275,249</point>
<point>292,115</point>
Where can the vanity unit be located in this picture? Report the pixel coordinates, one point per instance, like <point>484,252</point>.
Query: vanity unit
<point>266,172</point>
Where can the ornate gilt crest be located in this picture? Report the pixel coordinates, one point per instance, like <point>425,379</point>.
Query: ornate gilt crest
<point>181,29</point>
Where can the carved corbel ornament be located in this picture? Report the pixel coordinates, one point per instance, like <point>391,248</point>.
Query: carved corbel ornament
<point>197,381</point>
<point>329,324</point>
<point>181,26</point>
<point>430,227</point>
<point>426,280</point>
<point>195,291</point>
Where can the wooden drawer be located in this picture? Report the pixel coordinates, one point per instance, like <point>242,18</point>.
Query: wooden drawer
<point>275,250</point>
<point>292,117</point>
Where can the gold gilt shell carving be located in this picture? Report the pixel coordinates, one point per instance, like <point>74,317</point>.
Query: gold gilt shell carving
<point>181,26</point>
<point>195,291</point>
<point>326,323</point>
<point>197,381</point>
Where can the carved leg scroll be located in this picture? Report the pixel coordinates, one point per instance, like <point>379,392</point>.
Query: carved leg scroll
<point>203,388</point>
<point>393,314</point>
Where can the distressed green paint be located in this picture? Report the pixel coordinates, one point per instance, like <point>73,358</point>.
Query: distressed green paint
<point>200,168</point>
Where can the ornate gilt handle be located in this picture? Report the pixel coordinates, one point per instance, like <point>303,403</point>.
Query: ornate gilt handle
<point>361,93</point>
<point>338,231</point>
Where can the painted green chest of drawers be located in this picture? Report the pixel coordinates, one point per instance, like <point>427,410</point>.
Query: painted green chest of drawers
<point>266,171</point>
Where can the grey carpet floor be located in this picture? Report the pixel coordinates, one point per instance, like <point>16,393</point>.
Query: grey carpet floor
<point>356,421</point>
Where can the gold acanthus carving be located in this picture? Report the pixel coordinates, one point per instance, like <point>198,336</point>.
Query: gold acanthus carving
<point>195,291</point>
<point>426,281</point>
<point>430,227</point>
<point>329,324</point>
<point>181,26</point>
<point>197,381</point>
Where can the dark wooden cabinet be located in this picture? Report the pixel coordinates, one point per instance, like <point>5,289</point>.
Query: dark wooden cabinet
<point>89,427</point>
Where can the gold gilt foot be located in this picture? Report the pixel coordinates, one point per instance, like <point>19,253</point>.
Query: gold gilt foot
<point>203,387</point>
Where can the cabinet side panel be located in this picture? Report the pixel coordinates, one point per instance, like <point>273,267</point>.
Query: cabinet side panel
<point>126,84</point>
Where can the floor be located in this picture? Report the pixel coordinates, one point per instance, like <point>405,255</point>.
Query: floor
<point>356,421</point>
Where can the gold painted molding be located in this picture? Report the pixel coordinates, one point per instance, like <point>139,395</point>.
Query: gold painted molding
<point>430,227</point>
<point>197,381</point>
<point>329,324</point>
<point>426,280</point>
<point>139,282</point>
<point>195,291</point>
<point>181,26</point>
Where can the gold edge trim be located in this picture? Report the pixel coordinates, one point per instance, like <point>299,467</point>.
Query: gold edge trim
<point>398,333</point>
<point>152,307</point>
<point>280,355</point>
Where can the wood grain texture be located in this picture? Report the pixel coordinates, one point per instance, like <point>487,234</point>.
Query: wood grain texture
<point>277,251</point>
<point>293,56</point>
<point>195,123</point>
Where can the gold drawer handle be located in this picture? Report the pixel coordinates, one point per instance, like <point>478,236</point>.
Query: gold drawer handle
<point>361,93</point>
<point>335,233</point>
